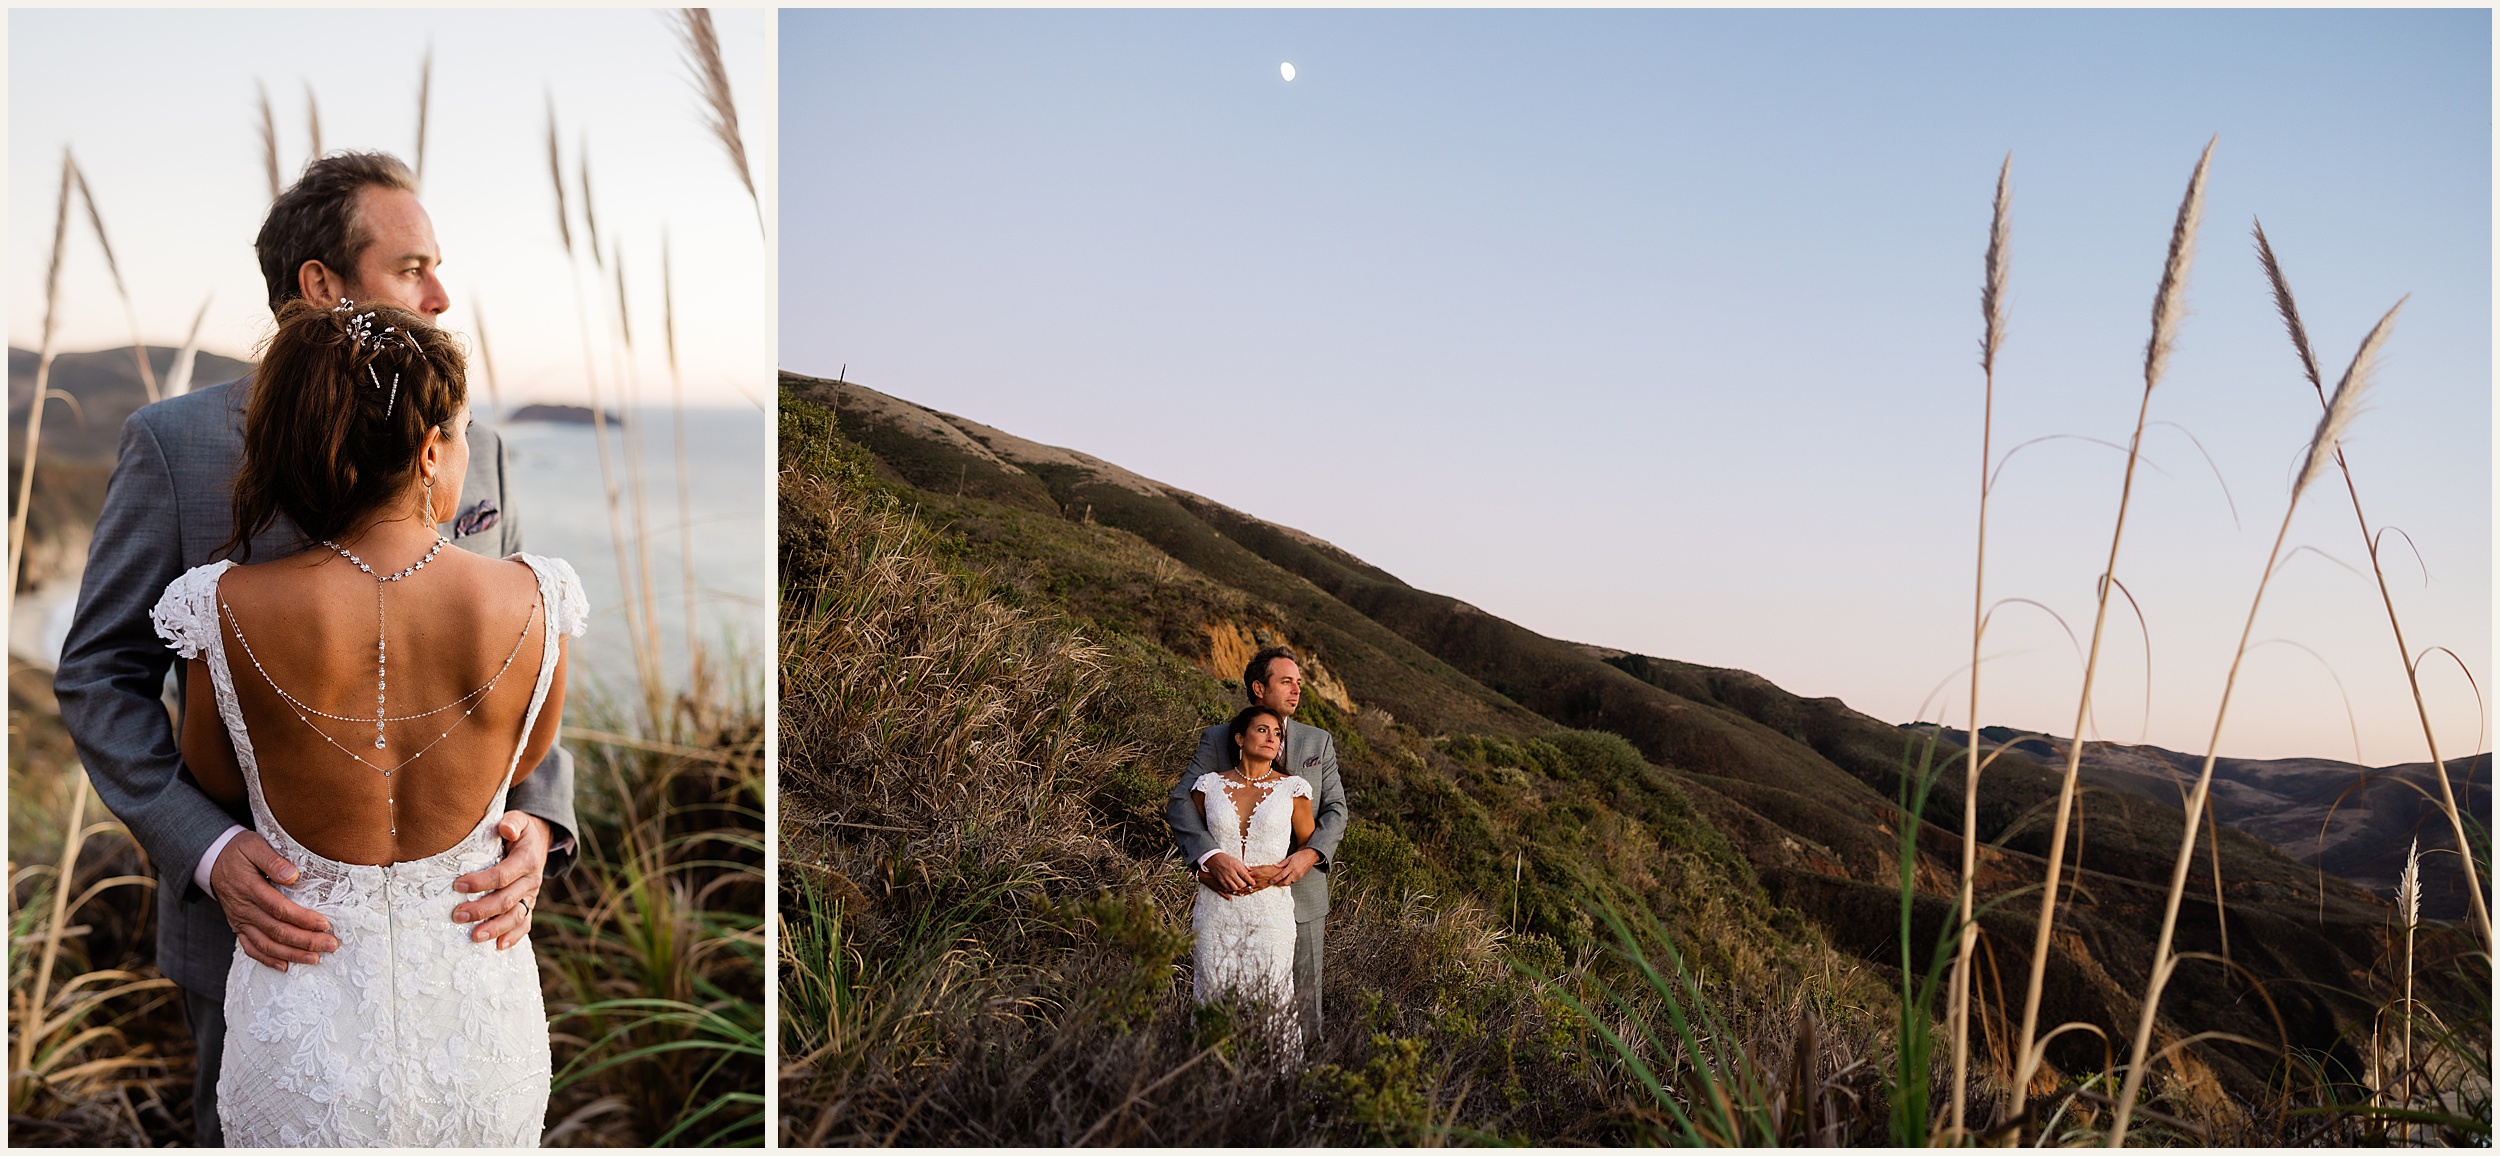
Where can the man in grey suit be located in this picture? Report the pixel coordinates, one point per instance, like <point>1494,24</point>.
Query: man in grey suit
<point>1273,679</point>
<point>351,227</point>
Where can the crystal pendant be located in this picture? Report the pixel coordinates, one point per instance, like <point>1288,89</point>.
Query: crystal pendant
<point>377,742</point>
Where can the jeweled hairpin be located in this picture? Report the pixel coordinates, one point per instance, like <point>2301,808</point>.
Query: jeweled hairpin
<point>393,403</point>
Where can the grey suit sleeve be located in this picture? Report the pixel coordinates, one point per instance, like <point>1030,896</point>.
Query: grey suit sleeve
<point>1180,810</point>
<point>113,666</point>
<point>548,794</point>
<point>1328,812</point>
<point>548,791</point>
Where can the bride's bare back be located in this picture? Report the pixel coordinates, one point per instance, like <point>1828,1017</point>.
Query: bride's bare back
<point>309,622</point>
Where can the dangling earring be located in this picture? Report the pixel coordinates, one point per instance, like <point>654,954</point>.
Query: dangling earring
<point>429,500</point>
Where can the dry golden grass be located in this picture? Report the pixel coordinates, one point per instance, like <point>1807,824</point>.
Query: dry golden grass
<point>425,106</point>
<point>2299,334</point>
<point>1991,339</point>
<point>268,140</point>
<point>43,378</point>
<point>711,82</point>
<point>2338,417</point>
<point>130,311</point>
<point>2169,309</point>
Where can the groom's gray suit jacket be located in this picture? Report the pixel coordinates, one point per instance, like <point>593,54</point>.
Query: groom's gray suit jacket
<point>1309,752</point>
<point>167,509</point>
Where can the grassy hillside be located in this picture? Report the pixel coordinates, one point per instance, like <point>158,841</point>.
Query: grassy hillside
<point>1513,779</point>
<point>983,705</point>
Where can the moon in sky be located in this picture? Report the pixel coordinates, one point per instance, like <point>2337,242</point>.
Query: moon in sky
<point>1287,69</point>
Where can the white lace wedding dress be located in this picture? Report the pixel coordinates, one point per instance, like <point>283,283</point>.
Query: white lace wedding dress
<point>1245,945</point>
<point>410,1035</point>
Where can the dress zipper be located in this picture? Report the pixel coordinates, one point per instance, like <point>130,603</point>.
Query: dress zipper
<point>390,1011</point>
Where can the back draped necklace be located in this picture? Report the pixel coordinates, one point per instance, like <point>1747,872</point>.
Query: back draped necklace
<point>381,676</point>
<point>381,626</point>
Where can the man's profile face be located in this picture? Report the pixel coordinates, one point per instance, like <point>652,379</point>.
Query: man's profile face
<point>1282,691</point>
<point>398,266</point>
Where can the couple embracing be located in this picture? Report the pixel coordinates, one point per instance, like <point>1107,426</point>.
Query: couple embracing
<point>1258,816</point>
<point>353,817</point>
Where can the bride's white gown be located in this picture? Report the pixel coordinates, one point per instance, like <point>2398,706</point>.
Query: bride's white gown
<point>1245,945</point>
<point>410,1035</point>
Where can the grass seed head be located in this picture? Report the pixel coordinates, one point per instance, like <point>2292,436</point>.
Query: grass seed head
<point>1992,290</point>
<point>2346,403</point>
<point>269,141</point>
<point>711,82</point>
<point>2290,312</point>
<point>2170,301</point>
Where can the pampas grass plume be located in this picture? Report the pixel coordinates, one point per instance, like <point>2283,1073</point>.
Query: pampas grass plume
<point>711,83</point>
<point>130,311</point>
<point>268,140</point>
<point>2170,300</point>
<point>2284,306</point>
<point>555,174</point>
<point>2409,885</point>
<point>2346,403</point>
<point>312,118</point>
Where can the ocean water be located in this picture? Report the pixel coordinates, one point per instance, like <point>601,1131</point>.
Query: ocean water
<point>564,513</point>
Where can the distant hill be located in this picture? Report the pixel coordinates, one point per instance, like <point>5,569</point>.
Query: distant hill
<point>2318,811</point>
<point>80,437</point>
<point>106,384</point>
<point>1803,788</point>
<point>560,414</point>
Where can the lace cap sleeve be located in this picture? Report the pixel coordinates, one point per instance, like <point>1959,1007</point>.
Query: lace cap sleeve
<point>1297,787</point>
<point>1208,784</point>
<point>567,607</point>
<point>186,616</point>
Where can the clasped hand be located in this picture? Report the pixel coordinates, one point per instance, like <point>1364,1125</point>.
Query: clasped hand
<point>1226,875</point>
<point>277,932</point>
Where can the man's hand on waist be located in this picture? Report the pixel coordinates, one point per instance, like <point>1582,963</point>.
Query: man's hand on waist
<point>272,929</point>
<point>510,887</point>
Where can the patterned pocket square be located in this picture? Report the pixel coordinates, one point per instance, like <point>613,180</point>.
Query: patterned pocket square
<point>476,519</point>
<point>1313,761</point>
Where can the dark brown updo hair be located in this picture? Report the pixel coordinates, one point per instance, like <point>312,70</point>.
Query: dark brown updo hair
<point>324,440</point>
<point>1241,726</point>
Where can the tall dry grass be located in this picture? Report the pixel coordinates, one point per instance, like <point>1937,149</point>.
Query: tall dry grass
<point>2439,1093</point>
<point>425,106</point>
<point>312,120</point>
<point>2298,332</point>
<point>2169,309</point>
<point>637,469</point>
<point>486,357</point>
<point>2322,448</point>
<point>112,265</point>
<point>43,378</point>
<point>96,1047</point>
<point>685,473</point>
<point>653,946</point>
<point>710,76</point>
<point>1991,339</point>
<point>268,140</point>
<point>178,376</point>
<point>647,675</point>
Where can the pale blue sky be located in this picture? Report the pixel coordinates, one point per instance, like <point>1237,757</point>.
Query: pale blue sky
<point>1656,329</point>
<point>161,110</point>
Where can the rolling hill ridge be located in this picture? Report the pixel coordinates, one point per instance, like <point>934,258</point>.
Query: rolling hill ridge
<point>1802,790</point>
